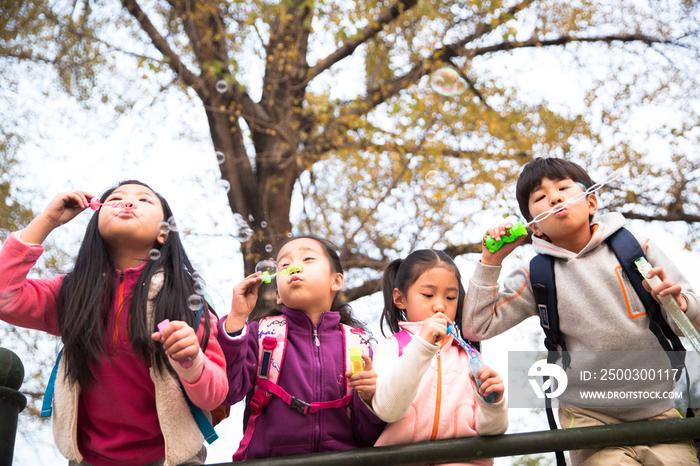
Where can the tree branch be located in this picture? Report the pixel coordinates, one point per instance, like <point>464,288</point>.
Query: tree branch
<point>563,40</point>
<point>367,288</point>
<point>161,44</point>
<point>369,31</point>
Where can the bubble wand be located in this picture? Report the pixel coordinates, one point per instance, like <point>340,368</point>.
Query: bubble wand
<point>669,303</point>
<point>95,204</point>
<point>474,361</point>
<point>520,228</point>
<point>267,276</point>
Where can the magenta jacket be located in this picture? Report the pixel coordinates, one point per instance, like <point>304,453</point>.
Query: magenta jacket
<point>310,373</point>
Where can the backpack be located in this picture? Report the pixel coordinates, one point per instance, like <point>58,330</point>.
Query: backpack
<point>272,341</point>
<point>200,418</point>
<point>627,249</point>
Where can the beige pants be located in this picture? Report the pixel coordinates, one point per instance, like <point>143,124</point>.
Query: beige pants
<point>196,460</point>
<point>659,454</point>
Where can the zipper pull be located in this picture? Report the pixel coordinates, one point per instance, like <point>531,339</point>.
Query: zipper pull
<point>316,340</point>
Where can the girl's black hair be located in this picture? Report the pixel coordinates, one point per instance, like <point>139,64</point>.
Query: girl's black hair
<point>337,305</point>
<point>86,298</point>
<point>401,274</point>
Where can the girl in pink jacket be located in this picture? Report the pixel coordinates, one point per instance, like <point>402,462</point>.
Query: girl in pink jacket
<point>119,388</point>
<point>425,390</point>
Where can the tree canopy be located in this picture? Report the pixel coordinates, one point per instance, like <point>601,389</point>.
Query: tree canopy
<point>332,101</point>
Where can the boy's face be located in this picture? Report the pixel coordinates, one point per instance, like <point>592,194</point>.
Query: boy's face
<point>569,224</point>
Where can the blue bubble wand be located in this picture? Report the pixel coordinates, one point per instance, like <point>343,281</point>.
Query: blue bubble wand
<point>474,361</point>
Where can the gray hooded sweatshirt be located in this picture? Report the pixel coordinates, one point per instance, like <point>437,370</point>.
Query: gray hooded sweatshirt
<point>599,312</point>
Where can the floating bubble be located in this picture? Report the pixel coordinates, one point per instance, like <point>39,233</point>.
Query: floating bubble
<point>430,135</point>
<point>196,276</point>
<point>172,224</point>
<point>244,234</point>
<point>195,302</point>
<point>200,287</point>
<point>220,157</point>
<point>267,265</point>
<point>263,224</point>
<point>154,254</point>
<point>289,234</point>
<point>164,228</point>
<point>268,247</point>
<point>431,177</point>
<point>224,184</point>
<point>221,86</point>
<point>447,82</point>
<point>239,221</point>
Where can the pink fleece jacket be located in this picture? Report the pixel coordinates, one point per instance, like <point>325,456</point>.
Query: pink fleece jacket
<point>121,409</point>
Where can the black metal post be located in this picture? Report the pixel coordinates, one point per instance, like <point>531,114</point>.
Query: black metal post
<point>11,402</point>
<point>460,450</point>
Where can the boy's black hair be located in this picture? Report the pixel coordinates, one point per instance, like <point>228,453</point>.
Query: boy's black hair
<point>337,305</point>
<point>402,273</point>
<point>553,168</point>
<point>88,291</point>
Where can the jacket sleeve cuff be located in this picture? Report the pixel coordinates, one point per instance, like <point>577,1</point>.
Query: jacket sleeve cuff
<point>190,374</point>
<point>486,275</point>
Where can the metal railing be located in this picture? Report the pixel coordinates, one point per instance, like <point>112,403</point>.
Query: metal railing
<point>464,449</point>
<point>11,402</point>
<point>438,452</point>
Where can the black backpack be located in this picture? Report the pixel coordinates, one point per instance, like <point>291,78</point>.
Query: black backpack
<point>627,250</point>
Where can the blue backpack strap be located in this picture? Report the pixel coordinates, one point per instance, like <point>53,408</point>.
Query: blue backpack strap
<point>627,250</point>
<point>46,408</point>
<point>545,292</point>
<point>200,418</point>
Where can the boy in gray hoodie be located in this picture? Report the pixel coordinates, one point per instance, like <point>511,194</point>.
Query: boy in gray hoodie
<point>598,309</point>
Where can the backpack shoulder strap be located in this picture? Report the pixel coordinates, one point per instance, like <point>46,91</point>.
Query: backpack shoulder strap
<point>402,338</point>
<point>545,292</point>
<point>353,337</point>
<point>627,249</point>
<point>272,341</point>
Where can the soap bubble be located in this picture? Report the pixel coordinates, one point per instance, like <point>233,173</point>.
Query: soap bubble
<point>447,82</point>
<point>267,265</point>
<point>430,135</point>
<point>244,234</point>
<point>196,276</point>
<point>195,302</point>
<point>154,254</point>
<point>172,224</point>
<point>200,287</point>
<point>431,177</point>
<point>268,247</point>
<point>263,224</point>
<point>250,217</point>
<point>164,228</point>
<point>220,157</point>
<point>224,184</point>
<point>221,86</point>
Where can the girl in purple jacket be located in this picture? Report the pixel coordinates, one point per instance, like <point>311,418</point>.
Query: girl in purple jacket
<point>314,359</point>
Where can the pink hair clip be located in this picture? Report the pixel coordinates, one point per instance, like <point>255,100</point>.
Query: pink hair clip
<point>95,204</point>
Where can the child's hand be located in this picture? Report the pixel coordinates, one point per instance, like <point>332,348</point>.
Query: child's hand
<point>496,258</point>
<point>365,382</point>
<point>434,328</point>
<point>667,287</point>
<point>245,294</point>
<point>179,340</point>
<point>62,209</point>
<point>491,382</point>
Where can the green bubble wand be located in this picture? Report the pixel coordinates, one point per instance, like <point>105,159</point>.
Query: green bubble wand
<point>267,276</point>
<point>520,228</point>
